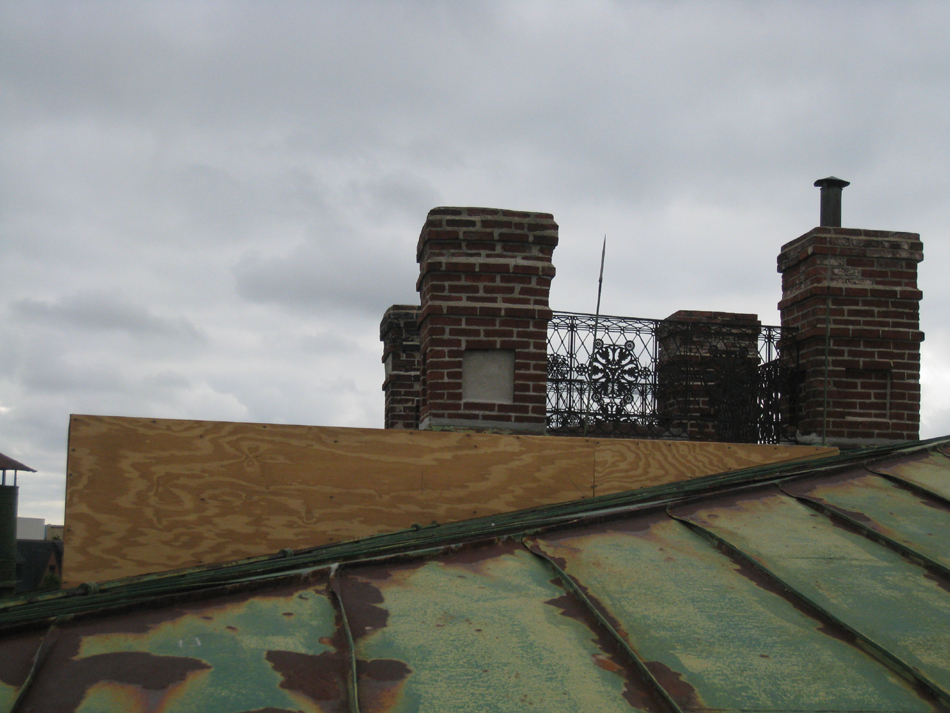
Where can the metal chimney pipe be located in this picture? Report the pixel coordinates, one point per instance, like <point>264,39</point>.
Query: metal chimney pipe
<point>831,201</point>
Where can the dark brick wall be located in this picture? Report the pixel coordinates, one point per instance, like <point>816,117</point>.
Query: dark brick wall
<point>690,369</point>
<point>399,333</point>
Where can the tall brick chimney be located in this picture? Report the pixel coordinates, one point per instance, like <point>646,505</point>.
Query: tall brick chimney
<point>484,279</point>
<point>852,297</point>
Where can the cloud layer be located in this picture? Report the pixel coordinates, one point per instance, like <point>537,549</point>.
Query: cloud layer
<point>205,207</point>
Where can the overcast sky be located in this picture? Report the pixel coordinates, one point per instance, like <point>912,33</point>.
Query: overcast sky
<point>205,207</point>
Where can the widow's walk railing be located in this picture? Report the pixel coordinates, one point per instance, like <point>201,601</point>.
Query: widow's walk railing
<point>721,380</point>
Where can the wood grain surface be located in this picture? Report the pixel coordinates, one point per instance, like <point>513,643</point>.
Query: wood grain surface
<point>147,495</point>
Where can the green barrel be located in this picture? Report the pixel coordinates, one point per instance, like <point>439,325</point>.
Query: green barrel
<point>8,501</point>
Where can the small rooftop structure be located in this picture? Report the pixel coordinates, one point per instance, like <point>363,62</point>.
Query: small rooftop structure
<point>8,522</point>
<point>40,564</point>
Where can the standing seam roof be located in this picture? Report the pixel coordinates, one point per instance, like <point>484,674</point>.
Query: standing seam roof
<point>821,586</point>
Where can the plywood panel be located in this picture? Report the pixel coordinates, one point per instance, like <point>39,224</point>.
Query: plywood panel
<point>147,495</point>
<point>627,464</point>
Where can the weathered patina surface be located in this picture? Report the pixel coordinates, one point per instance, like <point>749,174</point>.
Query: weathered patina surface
<point>796,588</point>
<point>717,634</point>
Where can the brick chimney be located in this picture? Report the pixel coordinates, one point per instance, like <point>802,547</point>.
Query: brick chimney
<point>852,297</point>
<point>399,333</point>
<point>484,279</point>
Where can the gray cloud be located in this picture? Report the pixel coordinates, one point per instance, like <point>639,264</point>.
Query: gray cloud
<point>206,206</point>
<point>99,311</point>
<point>338,274</point>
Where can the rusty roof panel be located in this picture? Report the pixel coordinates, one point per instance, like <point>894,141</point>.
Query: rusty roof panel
<point>493,632</point>
<point>805,587</point>
<point>16,657</point>
<point>716,634</point>
<point>241,653</point>
<point>895,605</point>
<point>905,515</point>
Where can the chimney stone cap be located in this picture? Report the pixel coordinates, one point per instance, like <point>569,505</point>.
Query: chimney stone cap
<point>831,182</point>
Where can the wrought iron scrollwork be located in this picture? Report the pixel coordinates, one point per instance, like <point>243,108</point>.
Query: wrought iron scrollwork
<point>616,379</point>
<point>558,366</point>
<point>664,379</point>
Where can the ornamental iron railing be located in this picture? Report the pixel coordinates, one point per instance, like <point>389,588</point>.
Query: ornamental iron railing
<point>732,380</point>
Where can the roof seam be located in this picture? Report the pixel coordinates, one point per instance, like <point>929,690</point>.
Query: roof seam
<point>39,658</point>
<point>575,590</point>
<point>352,680</point>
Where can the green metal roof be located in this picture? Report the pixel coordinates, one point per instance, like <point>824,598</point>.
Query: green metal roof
<point>819,586</point>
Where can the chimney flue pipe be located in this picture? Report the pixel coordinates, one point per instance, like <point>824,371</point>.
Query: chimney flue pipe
<point>831,201</point>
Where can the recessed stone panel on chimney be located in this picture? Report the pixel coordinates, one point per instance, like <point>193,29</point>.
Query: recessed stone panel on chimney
<point>488,375</point>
